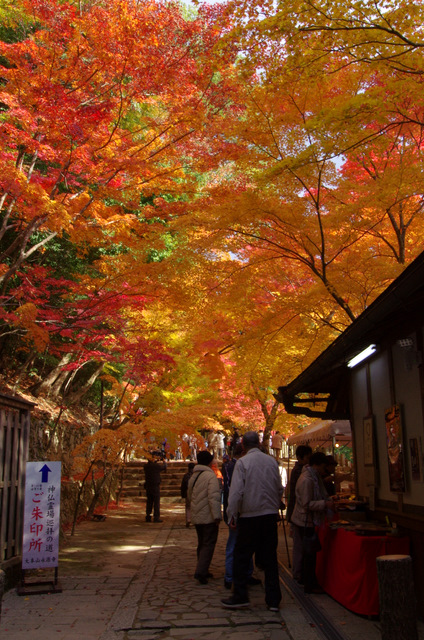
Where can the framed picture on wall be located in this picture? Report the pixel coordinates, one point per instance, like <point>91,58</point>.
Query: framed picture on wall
<point>415,459</point>
<point>395,450</point>
<point>368,441</point>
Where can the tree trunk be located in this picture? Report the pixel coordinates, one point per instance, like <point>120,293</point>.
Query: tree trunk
<point>75,396</point>
<point>270,417</point>
<point>46,385</point>
<point>398,616</point>
<point>22,369</point>
<point>78,500</point>
<point>97,487</point>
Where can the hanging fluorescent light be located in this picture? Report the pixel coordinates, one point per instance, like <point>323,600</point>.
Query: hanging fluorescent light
<point>366,353</point>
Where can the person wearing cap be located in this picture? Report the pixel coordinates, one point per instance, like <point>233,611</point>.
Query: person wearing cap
<point>204,496</point>
<point>152,474</point>
<point>254,502</point>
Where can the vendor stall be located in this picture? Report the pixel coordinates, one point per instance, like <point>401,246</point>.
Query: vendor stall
<point>333,437</point>
<point>321,432</point>
<point>373,375</point>
<point>347,568</point>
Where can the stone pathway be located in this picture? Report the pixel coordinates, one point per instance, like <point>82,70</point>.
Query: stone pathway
<point>125,579</point>
<point>174,605</point>
<point>165,601</point>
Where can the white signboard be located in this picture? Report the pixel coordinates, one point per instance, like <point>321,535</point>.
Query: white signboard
<point>40,547</point>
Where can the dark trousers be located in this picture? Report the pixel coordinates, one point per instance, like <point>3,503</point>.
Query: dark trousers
<point>259,536</point>
<point>207,535</point>
<point>153,502</point>
<point>308,563</point>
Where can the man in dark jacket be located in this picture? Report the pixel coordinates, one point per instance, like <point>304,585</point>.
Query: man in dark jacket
<point>235,440</point>
<point>152,470</point>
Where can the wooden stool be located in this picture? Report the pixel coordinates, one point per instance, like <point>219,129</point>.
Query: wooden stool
<point>398,616</point>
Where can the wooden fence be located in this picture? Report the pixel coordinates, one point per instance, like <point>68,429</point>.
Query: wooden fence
<point>14,439</point>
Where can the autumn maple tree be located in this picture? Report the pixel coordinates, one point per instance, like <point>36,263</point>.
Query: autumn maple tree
<point>322,205</point>
<point>104,108</point>
<point>194,204</point>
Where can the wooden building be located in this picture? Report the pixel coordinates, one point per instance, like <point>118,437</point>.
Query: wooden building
<point>382,395</point>
<point>15,416</point>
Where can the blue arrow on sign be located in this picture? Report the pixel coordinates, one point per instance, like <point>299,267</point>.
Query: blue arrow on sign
<point>45,473</point>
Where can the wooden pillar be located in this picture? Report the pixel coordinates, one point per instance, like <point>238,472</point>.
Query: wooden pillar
<point>398,617</point>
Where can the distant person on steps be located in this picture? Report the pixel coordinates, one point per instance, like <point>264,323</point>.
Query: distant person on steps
<point>152,473</point>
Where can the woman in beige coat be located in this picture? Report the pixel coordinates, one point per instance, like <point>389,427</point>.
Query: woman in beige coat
<point>204,496</point>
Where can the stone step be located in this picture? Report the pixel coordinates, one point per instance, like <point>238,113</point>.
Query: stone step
<point>133,481</point>
<point>165,474</point>
<point>140,487</point>
<point>135,493</point>
<point>140,500</point>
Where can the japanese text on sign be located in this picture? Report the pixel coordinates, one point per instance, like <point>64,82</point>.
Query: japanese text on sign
<point>42,515</point>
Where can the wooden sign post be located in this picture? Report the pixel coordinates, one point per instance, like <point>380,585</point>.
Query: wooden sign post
<point>40,548</point>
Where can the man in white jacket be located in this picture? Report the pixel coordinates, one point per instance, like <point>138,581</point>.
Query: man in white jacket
<point>204,496</point>
<point>253,506</point>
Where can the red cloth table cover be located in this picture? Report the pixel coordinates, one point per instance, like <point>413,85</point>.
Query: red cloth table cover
<point>347,568</point>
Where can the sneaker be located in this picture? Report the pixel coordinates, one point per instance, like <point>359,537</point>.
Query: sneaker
<point>232,603</point>
<point>276,609</point>
<point>201,579</point>
<point>253,581</point>
<point>228,584</point>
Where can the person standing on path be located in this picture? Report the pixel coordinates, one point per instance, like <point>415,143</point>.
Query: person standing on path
<point>235,440</point>
<point>303,454</point>
<point>204,496</point>
<point>212,444</point>
<point>253,506</point>
<point>152,470</point>
<point>227,470</point>
<point>312,506</point>
<point>220,444</point>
